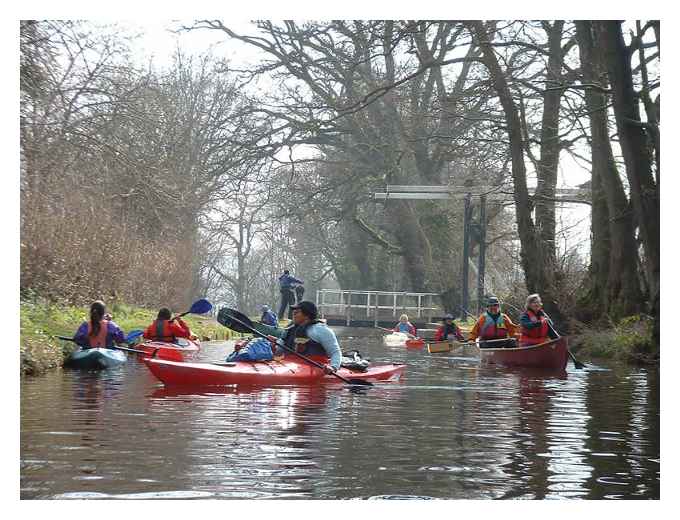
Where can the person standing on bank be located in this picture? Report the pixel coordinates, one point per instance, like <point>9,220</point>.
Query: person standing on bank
<point>308,336</point>
<point>299,292</point>
<point>286,282</point>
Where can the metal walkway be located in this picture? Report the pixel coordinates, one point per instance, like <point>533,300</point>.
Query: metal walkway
<point>377,308</point>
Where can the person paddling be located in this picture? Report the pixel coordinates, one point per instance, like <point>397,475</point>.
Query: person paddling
<point>268,317</point>
<point>167,329</point>
<point>308,336</point>
<point>448,330</point>
<point>536,325</point>
<point>405,326</point>
<point>98,332</point>
<point>494,325</point>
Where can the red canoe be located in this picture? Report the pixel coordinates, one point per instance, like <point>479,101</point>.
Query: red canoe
<point>551,354</point>
<point>264,373</point>
<point>179,351</point>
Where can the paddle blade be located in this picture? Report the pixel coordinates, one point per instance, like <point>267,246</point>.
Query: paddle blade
<point>201,307</point>
<point>226,317</point>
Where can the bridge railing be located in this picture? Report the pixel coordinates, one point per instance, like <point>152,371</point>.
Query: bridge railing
<point>376,305</point>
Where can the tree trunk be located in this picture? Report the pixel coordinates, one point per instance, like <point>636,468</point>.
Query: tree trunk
<point>539,278</point>
<point>550,148</point>
<point>636,155</point>
<point>618,270</point>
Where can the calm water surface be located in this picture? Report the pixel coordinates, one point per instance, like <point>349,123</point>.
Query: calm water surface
<point>451,429</point>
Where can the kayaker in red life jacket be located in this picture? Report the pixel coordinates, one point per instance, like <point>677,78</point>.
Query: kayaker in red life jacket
<point>494,325</point>
<point>448,330</point>
<point>308,336</point>
<point>98,331</point>
<point>167,329</point>
<point>536,324</point>
<point>404,326</point>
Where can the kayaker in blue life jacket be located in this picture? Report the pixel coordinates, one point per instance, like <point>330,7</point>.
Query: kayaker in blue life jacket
<point>98,331</point>
<point>286,283</point>
<point>405,326</point>
<point>307,336</point>
<point>268,317</point>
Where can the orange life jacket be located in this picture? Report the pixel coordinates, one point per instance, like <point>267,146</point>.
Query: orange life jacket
<point>491,329</point>
<point>98,341</point>
<point>162,331</point>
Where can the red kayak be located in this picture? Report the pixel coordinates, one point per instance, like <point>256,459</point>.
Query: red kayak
<point>262,373</point>
<point>551,354</point>
<point>178,351</point>
<point>415,343</point>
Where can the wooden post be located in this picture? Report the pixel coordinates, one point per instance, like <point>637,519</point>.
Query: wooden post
<point>419,304</point>
<point>377,309</point>
<point>466,255</point>
<point>482,253</point>
<point>348,312</point>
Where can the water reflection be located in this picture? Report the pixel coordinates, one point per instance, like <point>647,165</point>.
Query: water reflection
<point>451,429</point>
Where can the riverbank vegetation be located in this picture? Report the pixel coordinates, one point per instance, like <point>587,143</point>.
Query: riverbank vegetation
<point>42,320</point>
<point>159,182</point>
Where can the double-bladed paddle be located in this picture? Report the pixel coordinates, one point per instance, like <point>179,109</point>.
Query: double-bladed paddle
<point>65,338</point>
<point>198,307</point>
<point>239,322</point>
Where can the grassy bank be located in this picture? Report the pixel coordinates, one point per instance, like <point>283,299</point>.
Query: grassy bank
<point>629,341</point>
<point>40,322</point>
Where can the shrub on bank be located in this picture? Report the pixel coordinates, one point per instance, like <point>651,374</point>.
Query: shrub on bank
<point>629,340</point>
<point>41,321</point>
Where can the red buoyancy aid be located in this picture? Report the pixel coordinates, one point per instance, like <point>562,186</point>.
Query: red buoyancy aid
<point>98,341</point>
<point>161,331</point>
<point>535,335</point>
<point>491,329</point>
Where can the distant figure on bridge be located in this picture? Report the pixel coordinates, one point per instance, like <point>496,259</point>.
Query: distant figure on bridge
<point>405,326</point>
<point>448,330</point>
<point>268,317</point>
<point>494,325</point>
<point>286,282</point>
<point>299,292</point>
<point>536,325</point>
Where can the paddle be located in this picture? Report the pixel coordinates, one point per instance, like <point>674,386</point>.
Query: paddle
<point>232,316</point>
<point>577,363</point>
<point>64,338</point>
<point>198,307</point>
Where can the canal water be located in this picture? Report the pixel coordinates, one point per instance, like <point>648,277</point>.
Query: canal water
<point>452,429</point>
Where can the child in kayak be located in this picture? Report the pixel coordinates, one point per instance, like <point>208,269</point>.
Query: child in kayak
<point>405,326</point>
<point>167,329</point>
<point>98,331</point>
